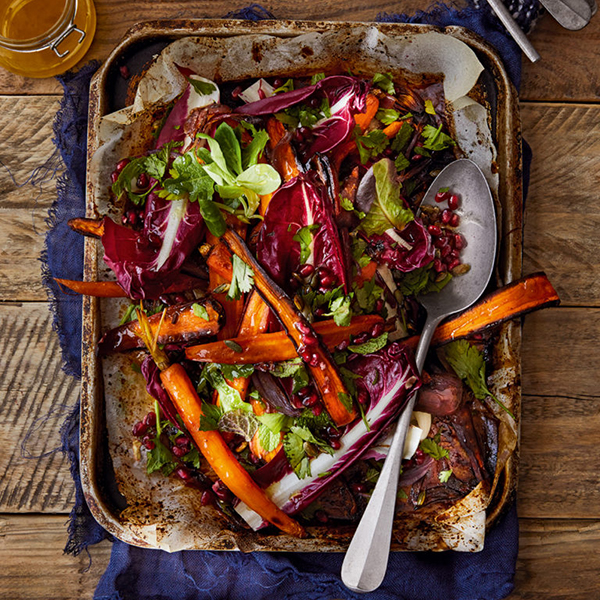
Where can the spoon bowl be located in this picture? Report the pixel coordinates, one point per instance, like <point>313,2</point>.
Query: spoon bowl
<point>366,560</point>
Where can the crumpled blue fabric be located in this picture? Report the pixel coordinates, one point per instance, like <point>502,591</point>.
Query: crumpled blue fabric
<point>140,574</point>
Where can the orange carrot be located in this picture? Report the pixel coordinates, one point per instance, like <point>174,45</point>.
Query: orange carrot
<point>92,227</point>
<point>282,154</point>
<point>100,289</point>
<point>392,129</point>
<point>219,456</point>
<point>364,119</point>
<point>366,273</point>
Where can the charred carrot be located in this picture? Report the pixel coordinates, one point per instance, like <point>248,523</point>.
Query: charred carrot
<point>91,227</point>
<point>282,154</point>
<point>99,289</point>
<point>277,346</point>
<point>181,323</point>
<point>514,300</point>
<point>393,128</point>
<point>363,120</point>
<point>314,353</point>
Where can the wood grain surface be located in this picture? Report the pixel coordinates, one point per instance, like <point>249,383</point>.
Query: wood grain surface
<point>559,488</point>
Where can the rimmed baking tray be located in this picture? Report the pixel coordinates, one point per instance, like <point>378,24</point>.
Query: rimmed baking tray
<point>109,92</point>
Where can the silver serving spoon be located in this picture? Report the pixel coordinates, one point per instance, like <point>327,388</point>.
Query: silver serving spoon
<point>571,14</point>
<point>366,560</point>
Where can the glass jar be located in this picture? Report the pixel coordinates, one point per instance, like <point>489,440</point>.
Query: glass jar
<point>42,38</point>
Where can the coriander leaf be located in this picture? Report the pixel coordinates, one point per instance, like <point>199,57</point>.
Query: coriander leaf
<point>468,363</point>
<point>340,310</point>
<point>232,372</point>
<point>293,446</point>
<point>304,236</point>
<point>422,281</point>
<point>372,345</point>
<point>429,107</point>
<point>242,278</point>
<point>188,176</point>
<point>346,204</point>
<point>388,210</point>
<point>204,88</point>
<point>402,138</point>
<point>316,78</point>
<point>230,146</point>
<point>372,144</point>
<point>401,163</point>
<point>229,398</point>
<point>421,151</point>
<point>384,81</point>
<point>367,295</point>
<point>155,165</point>
<point>346,400</point>
<point>349,377</point>
<point>387,115</point>
<point>436,139</point>
<point>267,439</point>
<point>200,311</point>
<point>288,86</point>
<point>308,436</point>
<point>444,476</point>
<point>160,459</point>
<point>240,422</point>
<point>294,368</point>
<point>434,450</point>
<point>130,172</point>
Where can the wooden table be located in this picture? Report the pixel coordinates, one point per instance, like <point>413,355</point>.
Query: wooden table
<point>559,495</point>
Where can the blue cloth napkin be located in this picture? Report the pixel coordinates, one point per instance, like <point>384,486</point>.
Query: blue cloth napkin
<point>140,574</point>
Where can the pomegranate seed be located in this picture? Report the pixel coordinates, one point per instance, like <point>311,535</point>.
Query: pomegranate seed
<point>342,345</point>
<point>302,327</point>
<point>434,230</point>
<point>327,281</point>
<point>335,444</point>
<point>440,242</point>
<point>261,93</point>
<point>305,391</point>
<point>459,241</point>
<point>320,311</point>
<point>236,92</point>
<point>182,441</point>
<point>148,443</point>
<point>362,396</point>
<point>277,83</point>
<point>451,257</point>
<point>178,451</point>
<point>183,473</point>
<point>416,157</point>
<point>114,176</point>
<point>441,196</point>
<point>142,181</point>
<point>453,264</point>
<point>124,70</point>
<point>306,270</point>
<point>207,498</point>
<point>361,339</point>
<point>317,410</point>
<point>454,220</point>
<point>311,399</point>
<point>446,216</point>
<point>122,164</point>
<point>321,516</point>
<point>445,251</point>
<point>150,419</point>
<point>314,360</point>
<point>377,330</point>
<point>132,217</point>
<point>297,402</point>
<point>438,266</point>
<point>379,305</point>
<point>139,429</point>
<point>395,349</point>
<point>221,490</point>
<point>453,202</point>
<point>358,488</point>
<point>333,433</point>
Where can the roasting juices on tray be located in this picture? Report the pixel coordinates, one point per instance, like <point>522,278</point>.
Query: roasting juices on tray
<point>272,307</point>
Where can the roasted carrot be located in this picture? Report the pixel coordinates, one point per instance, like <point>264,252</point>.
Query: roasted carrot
<point>181,323</point>
<point>315,354</point>
<point>367,273</point>
<point>283,157</point>
<point>364,119</point>
<point>277,346</point>
<point>91,227</point>
<point>99,289</point>
<point>393,128</point>
<point>514,300</point>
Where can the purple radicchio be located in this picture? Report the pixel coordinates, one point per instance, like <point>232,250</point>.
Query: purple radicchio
<point>388,391</point>
<point>404,250</point>
<point>346,96</point>
<point>147,263</point>
<point>301,203</point>
<point>154,387</point>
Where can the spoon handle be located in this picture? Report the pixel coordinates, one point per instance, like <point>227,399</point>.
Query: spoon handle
<point>365,563</point>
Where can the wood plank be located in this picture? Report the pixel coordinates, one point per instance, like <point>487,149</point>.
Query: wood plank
<point>562,218</point>
<point>34,566</point>
<point>564,73</point>
<point>568,70</point>
<point>35,398</point>
<point>558,560</point>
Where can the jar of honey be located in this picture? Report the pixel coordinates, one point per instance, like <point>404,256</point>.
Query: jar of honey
<point>42,38</point>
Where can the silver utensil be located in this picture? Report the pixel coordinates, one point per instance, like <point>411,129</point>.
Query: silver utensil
<point>366,560</point>
<point>514,30</point>
<point>571,14</point>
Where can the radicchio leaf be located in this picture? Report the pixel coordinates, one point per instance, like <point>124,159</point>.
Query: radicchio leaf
<point>302,202</point>
<point>154,387</point>
<point>146,263</point>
